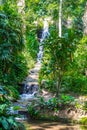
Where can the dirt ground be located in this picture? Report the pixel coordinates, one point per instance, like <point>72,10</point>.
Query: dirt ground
<point>39,125</point>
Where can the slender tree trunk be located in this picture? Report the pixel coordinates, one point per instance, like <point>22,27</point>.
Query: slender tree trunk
<point>21,6</point>
<point>60,19</point>
<point>58,84</point>
<point>85,20</point>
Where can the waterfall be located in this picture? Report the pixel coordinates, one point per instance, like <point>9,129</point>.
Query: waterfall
<point>31,82</point>
<point>30,87</point>
<point>45,33</point>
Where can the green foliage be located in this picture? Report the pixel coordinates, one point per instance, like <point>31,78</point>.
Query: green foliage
<point>16,57</point>
<point>11,46</point>
<point>31,47</point>
<point>81,55</point>
<point>32,43</point>
<point>12,92</point>
<point>58,56</point>
<point>66,99</point>
<point>74,82</point>
<point>64,62</point>
<point>85,106</point>
<point>7,121</point>
<point>3,101</point>
<point>83,127</point>
<point>83,121</point>
<point>75,79</point>
<point>53,104</point>
<point>34,114</point>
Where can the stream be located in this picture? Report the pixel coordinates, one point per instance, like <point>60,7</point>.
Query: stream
<point>30,89</point>
<point>30,86</point>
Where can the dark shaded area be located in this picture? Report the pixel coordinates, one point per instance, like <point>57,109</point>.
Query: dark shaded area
<point>28,89</point>
<point>21,88</point>
<point>39,34</point>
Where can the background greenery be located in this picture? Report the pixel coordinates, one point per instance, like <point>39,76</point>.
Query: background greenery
<point>64,64</point>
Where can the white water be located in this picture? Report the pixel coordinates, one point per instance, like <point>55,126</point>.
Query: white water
<point>34,73</point>
<point>27,96</point>
<point>31,82</point>
<point>45,31</point>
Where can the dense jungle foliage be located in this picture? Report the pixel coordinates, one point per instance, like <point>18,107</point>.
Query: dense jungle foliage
<point>17,55</point>
<point>65,58</point>
<point>64,63</point>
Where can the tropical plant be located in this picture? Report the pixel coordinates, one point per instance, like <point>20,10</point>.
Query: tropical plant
<point>83,121</point>
<point>11,43</point>
<point>7,121</point>
<point>37,110</point>
<point>33,112</point>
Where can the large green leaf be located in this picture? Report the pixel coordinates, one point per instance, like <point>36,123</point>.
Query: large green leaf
<point>5,123</point>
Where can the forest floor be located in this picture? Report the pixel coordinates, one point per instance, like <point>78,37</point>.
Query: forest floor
<point>32,80</point>
<point>44,125</point>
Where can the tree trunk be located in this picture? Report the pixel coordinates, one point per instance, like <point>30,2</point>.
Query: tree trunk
<point>60,19</point>
<point>58,85</point>
<point>21,6</point>
<point>85,20</point>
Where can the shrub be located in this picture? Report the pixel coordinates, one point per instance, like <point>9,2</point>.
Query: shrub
<point>13,64</point>
<point>33,112</point>
<point>52,105</point>
<point>12,92</point>
<point>7,121</point>
<point>75,82</point>
<point>85,106</point>
<point>83,121</point>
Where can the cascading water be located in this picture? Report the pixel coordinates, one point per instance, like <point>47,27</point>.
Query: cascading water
<point>45,33</point>
<point>31,83</point>
<point>45,30</point>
